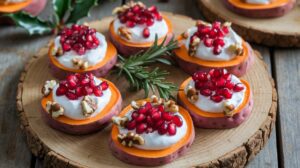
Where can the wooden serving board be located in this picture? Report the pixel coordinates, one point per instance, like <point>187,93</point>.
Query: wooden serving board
<point>281,32</point>
<point>230,147</point>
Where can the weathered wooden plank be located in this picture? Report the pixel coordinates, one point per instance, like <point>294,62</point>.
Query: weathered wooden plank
<point>268,156</point>
<point>287,71</point>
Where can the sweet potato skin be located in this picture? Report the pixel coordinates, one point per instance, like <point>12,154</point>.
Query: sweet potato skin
<point>262,13</point>
<point>83,129</point>
<point>223,122</point>
<point>100,72</point>
<point>238,70</point>
<point>143,161</point>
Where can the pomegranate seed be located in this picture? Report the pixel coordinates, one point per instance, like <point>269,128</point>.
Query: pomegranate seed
<point>148,106</point>
<point>152,9</point>
<point>220,82</point>
<point>167,116</point>
<point>88,90</point>
<point>200,76</point>
<point>71,96</point>
<point>227,94</point>
<point>158,124</point>
<point>141,128</point>
<point>208,42</point>
<point>130,15</point>
<point>131,125</point>
<point>217,50</point>
<point>134,115</point>
<point>140,118</point>
<point>104,85</point>
<point>238,87</point>
<point>219,92</point>
<point>171,129</point>
<point>199,85</point>
<point>81,51</point>
<point>149,22</point>
<point>66,47</point>
<point>130,23</point>
<point>227,77</point>
<point>206,92</point>
<point>146,32</point>
<point>216,73</point>
<point>216,25</point>
<point>229,85</point>
<point>219,42</point>
<point>216,98</point>
<point>61,90</point>
<point>84,81</point>
<point>177,120</point>
<point>156,116</point>
<point>97,91</point>
<point>225,29</point>
<point>163,128</point>
<point>142,110</point>
<point>75,27</point>
<point>149,121</point>
<point>213,34</point>
<point>136,9</point>
<point>161,108</point>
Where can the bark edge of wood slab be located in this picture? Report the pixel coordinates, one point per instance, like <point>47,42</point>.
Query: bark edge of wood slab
<point>41,138</point>
<point>258,30</point>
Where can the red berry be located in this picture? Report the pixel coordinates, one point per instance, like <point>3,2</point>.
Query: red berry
<point>134,115</point>
<point>131,125</point>
<point>163,128</point>
<point>149,22</point>
<point>104,85</point>
<point>208,42</point>
<point>217,50</point>
<point>229,85</point>
<point>167,116</point>
<point>227,94</point>
<point>71,96</point>
<point>61,90</point>
<point>140,118</point>
<point>97,91</point>
<point>220,82</point>
<point>156,116</point>
<point>130,23</point>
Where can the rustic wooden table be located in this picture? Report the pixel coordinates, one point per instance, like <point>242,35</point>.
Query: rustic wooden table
<point>16,47</point>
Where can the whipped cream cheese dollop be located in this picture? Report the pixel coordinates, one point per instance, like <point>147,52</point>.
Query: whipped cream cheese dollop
<point>73,109</point>
<point>206,53</point>
<point>92,56</point>
<point>260,2</point>
<point>155,141</point>
<point>159,28</point>
<point>206,104</point>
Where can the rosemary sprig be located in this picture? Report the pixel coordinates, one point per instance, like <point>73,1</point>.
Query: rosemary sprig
<point>141,77</point>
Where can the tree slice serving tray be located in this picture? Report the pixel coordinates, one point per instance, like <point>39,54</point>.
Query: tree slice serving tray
<point>230,147</point>
<point>281,32</point>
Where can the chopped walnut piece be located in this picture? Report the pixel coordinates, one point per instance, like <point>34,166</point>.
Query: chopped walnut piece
<point>201,22</point>
<point>57,51</point>
<point>120,121</point>
<point>136,105</point>
<point>155,100</point>
<point>54,109</point>
<point>228,109</point>
<point>48,87</point>
<point>130,139</point>
<point>192,94</point>
<point>171,106</point>
<point>236,49</point>
<point>88,105</point>
<point>79,63</point>
<point>125,32</point>
<point>193,45</point>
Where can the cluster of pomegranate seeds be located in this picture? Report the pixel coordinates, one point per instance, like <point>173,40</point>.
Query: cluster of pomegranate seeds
<point>212,36</point>
<point>79,38</point>
<point>216,84</point>
<point>150,118</point>
<point>140,15</point>
<point>77,85</point>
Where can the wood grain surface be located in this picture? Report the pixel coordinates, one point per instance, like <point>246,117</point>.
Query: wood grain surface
<point>223,147</point>
<point>282,31</point>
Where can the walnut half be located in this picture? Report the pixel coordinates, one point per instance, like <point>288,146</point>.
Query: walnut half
<point>125,32</point>
<point>192,94</point>
<point>195,41</point>
<point>131,139</point>
<point>120,121</point>
<point>171,106</point>
<point>88,105</point>
<point>54,109</point>
<point>79,63</point>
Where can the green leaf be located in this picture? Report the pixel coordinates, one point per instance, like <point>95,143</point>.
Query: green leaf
<point>60,8</point>
<point>80,9</point>
<point>33,25</point>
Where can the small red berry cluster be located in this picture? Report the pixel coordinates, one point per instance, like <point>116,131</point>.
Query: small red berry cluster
<point>77,85</point>
<point>212,36</point>
<point>217,84</point>
<point>140,15</point>
<point>150,118</point>
<point>79,38</point>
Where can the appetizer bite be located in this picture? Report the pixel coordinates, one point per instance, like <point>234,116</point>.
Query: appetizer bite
<point>80,49</point>
<point>136,27</point>
<point>151,132</point>
<point>216,99</point>
<point>33,7</point>
<point>260,8</point>
<point>215,45</point>
<point>80,104</point>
